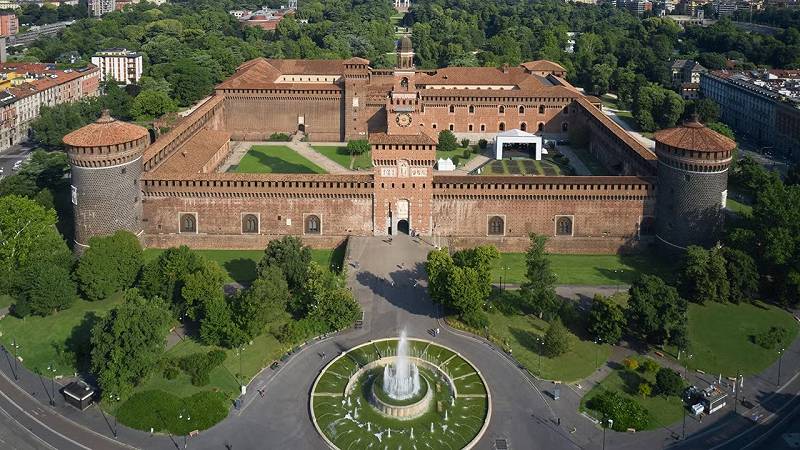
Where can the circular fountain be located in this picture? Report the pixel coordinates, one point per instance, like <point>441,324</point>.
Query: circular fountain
<point>401,384</point>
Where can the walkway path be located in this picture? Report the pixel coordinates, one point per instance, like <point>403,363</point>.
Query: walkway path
<point>240,148</point>
<point>574,161</point>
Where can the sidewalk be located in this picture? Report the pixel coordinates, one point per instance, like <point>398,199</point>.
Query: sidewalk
<point>304,149</point>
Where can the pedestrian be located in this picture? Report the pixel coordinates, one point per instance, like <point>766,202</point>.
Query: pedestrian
<point>559,421</point>
<point>323,355</point>
<point>437,331</point>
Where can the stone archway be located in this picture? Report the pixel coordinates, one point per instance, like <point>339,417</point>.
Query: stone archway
<point>402,226</point>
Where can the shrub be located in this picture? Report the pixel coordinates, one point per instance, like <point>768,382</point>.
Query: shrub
<point>649,366</point>
<point>482,143</point>
<point>159,410</point>
<point>556,340</point>
<point>465,143</point>
<point>630,363</point>
<point>199,365</point>
<point>624,411</point>
<point>279,137</point>
<point>668,382</point>
<point>771,338</point>
<point>645,389</point>
<point>358,146</point>
<point>171,369</point>
<point>476,319</point>
<point>447,141</point>
<point>296,331</point>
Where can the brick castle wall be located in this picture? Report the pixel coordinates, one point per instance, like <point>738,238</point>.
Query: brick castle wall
<point>253,117</point>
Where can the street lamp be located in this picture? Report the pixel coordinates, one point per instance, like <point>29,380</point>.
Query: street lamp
<point>115,399</point>
<point>686,367</point>
<point>610,424</point>
<point>780,361</point>
<point>540,342</point>
<point>597,341</point>
<point>15,346</point>
<point>51,370</point>
<point>505,268</point>
<point>188,419</point>
<point>239,351</point>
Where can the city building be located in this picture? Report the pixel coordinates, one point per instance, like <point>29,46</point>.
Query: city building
<point>9,25</point>
<point>402,6</point>
<point>686,71</point>
<point>725,7</point>
<point>98,8</point>
<point>172,192</point>
<point>760,105</point>
<point>26,87</point>
<point>119,64</point>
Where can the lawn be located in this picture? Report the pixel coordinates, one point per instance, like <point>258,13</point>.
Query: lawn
<point>6,300</point>
<point>524,166</point>
<point>739,208</point>
<point>720,336</point>
<point>48,340</point>
<point>663,410</point>
<point>460,155</point>
<point>340,155</point>
<point>241,264</point>
<point>608,270</point>
<point>519,332</point>
<point>274,159</point>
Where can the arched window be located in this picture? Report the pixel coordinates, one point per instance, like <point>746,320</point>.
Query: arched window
<point>522,109</point>
<point>483,127</point>
<point>564,126</point>
<point>523,126</point>
<point>452,127</point>
<point>541,109</point>
<point>540,127</point>
<point>188,223</point>
<point>471,109</point>
<point>313,225</point>
<point>452,109</point>
<point>564,226</point>
<point>496,226</point>
<point>470,127</point>
<point>501,126</point>
<point>647,227</point>
<point>501,109</point>
<point>250,223</point>
<point>404,83</point>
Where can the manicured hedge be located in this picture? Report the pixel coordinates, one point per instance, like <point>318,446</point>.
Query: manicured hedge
<point>160,411</point>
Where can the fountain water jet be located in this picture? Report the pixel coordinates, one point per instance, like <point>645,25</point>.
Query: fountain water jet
<point>401,379</point>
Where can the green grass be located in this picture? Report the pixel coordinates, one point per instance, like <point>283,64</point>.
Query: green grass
<point>587,270</point>
<point>590,161</point>
<point>460,155</point>
<point>340,155</point>
<point>6,301</point>
<point>275,159</point>
<point>241,264</point>
<point>165,411</point>
<point>663,411</point>
<point>519,332</point>
<point>43,340</point>
<point>740,208</point>
<point>720,336</point>
<point>524,166</point>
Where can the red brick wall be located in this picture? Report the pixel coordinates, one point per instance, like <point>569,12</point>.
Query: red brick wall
<point>437,111</point>
<point>253,117</point>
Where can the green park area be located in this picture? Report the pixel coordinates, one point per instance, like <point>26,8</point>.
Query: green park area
<point>607,270</point>
<point>340,155</point>
<point>458,155</point>
<point>738,207</point>
<point>274,159</point>
<point>526,166</point>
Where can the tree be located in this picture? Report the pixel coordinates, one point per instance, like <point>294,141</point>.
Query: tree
<point>645,389</point>
<point>655,107</point>
<point>199,287</point>
<point>538,293</point>
<point>165,276</point>
<point>606,320</point>
<point>704,275</point>
<point>742,274</point>
<point>262,302</point>
<point>289,254</point>
<point>656,314</point>
<point>706,109</point>
<point>151,104</point>
<point>190,81</point>
<point>328,301</point>
<point>481,259</point>
<point>216,323</point>
<point>668,382</point>
<point>447,141</point>
<point>110,264</point>
<point>464,290</point>
<point>48,288</point>
<point>357,146</point>
<point>557,340</point>
<point>438,266</point>
<point>128,342</point>
<point>624,411</point>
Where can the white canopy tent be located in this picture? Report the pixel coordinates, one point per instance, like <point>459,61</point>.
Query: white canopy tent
<point>517,136</point>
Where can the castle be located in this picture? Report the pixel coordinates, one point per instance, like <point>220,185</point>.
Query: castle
<point>171,192</point>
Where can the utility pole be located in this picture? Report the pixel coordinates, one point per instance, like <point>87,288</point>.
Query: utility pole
<point>51,370</point>
<point>15,346</point>
<point>780,361</point>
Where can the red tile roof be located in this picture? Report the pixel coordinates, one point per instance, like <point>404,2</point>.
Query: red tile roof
<point>106,131</point>
<point>401,139</point>
<point>196,152</point>
<point>695,136</point>
<point>613,127</point>
<point>54,77</point>
<point>543,65</point>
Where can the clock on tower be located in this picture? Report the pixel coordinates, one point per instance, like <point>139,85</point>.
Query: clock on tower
<point>403,119</point>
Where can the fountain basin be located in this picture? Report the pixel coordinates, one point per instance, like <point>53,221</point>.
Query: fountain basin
<point>404,410</point>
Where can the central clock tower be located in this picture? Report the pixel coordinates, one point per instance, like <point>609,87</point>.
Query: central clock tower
<point>403,157</point>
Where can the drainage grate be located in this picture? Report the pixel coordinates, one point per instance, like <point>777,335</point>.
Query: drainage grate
<point>501,444</point>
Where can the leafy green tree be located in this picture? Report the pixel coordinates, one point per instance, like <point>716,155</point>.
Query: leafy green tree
<point>655,107</point>
<point>328,299</point>
<point>606,320</point>
<point>116,100</point>
<point>742,274</point>
<point>216,323</point>
<point>704,275</point>
<point>199,286</point>
<point>464,290</point>
<point>165,276</point>
<point>151,104</point>
<point>557,340</point>
<point>438,266</point>
<point>656,314</point>
<point>128,342</point>
<point>291,256</point>
<point>481,259</point>
<point>668,382</point>
<point>190,81</point>
<point>110,264</point>
<point>600,79</point>
<point>447,141</point>
<point>706,109</point>
<point>538,293</point>
<point>264,301</point>
<point>624,411</point>
<point>48,288</point>
<point>645,389</point>
<point>357,146</point>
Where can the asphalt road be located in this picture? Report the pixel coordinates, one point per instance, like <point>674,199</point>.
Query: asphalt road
<point>11,156</point>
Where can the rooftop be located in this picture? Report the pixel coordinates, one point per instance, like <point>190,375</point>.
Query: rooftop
<point>780,84</point>
<point>695,136</point>
<point>105,131</point>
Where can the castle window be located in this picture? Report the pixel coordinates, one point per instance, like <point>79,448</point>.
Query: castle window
<point>452,109</point>
<point>433,125</point>
<point>470,127</point>
<point>313,224</point>
<point>501,109</point>
<point>451,127</point>
<point>483,127</point>
<point>540,127</point>
<point>564,226</point>
<point>522,110</point>
<point>404,82</point>
<point>501,126</point>
<point>250,223</point>
<point>471,109</point>
<point>564,126</point>
<point>523,126</point>
<point>496,226</point>
<point>541,109</point>
<point>188,223</point>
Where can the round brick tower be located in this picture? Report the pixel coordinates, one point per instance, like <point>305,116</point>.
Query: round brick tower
<point>106,162</point>
<point>693,164</point>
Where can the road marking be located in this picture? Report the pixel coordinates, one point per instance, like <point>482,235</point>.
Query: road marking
<point>77,444</point>
<point>7,414</point>
<point>465,376</point>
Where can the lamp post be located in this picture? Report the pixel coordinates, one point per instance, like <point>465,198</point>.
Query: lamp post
<point>597,341</point>
<point>736,391</point>
<point>505,268</point>
<point>188,419</point>
<point>15,346</point>
<point>541,345</point>
<point>686,367</point>
<point>610,424</point>
<point>114,398</point>
<point>780,361</point>
<point>51,371</point>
